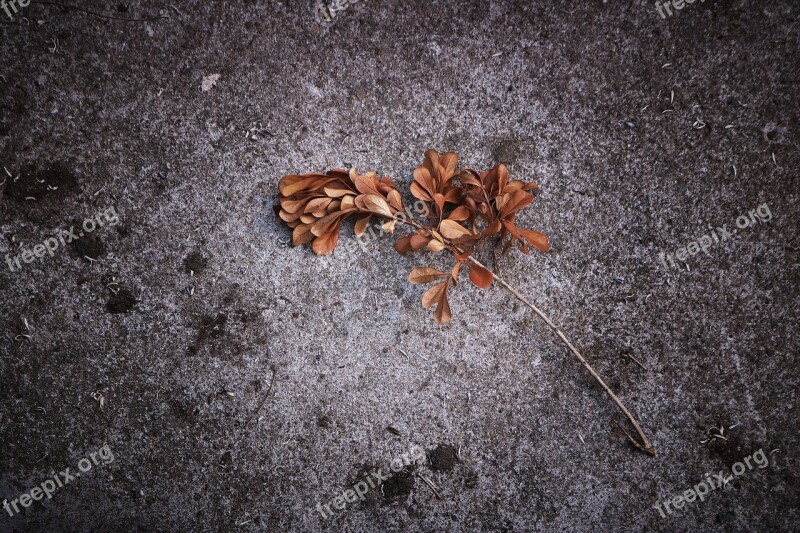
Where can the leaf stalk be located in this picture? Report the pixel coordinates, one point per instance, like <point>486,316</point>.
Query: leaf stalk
<point>643,443</point>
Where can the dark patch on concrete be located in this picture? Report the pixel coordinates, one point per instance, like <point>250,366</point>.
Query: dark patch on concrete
<point>443,458</point>
<point>226,461</point>
<point>508,151</point>
<point>121,301</point>
<point>470,479</point>
<point>40,192</point>
<point>730,449</point>
<point>195,262</point>
<point>90,245</point>
<point>364,472</point>
<point>400,484</point>
<point>212,327</point>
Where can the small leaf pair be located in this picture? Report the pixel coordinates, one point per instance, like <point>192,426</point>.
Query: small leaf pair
<point>437,294</point>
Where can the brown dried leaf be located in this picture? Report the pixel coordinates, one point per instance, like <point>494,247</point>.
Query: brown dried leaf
<point>433,294</point>
<point>456,271</point>
<point>403,245</point>
<point>435,246</point>
<point>423,275</point>
<point>513,185</point>
<point>314,204</point>
<point>418,192</point>
<point>302,234</point>
<point>439,200</point>
<point>443,314</point>
<point>290,180</point>
<point>460,214</point>
<point>323,224</point>
<point>454,195</point>
<point>359,202</point>
<point>377,204</point>
<point>292,206</point>
<point>537,240</point>
<point>290,187</point>
<point>448,160</point>
<point>348,202</point>
<point>395,200</point>
<point>514,203</point>
<point>480,276</point>
<point>422,176</point>
<point>418,241</point>
<point>290,217</point>
<point>388,226</point>
<point>502,176</point>
<point>325,244</point>
<point>512,229</point>
<point>338,173</point>
<point>367,183</point>
<point>493,229</point>
<point>361,225</point>
<point>337,190</point>
<point>469,178</point>
<point>453,230</point>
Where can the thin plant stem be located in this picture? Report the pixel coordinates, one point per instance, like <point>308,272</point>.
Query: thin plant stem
<point>645,444</point>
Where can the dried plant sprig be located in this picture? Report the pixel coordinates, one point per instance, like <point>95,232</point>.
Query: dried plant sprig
<point>467,213</point>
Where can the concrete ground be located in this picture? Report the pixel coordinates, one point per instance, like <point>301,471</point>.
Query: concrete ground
<point>213,378</point>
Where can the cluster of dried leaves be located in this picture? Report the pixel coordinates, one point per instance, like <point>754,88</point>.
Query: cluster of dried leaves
<point>315,205</point>
<point>467,213</point>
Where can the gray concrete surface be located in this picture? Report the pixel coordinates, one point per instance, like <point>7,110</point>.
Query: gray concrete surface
<point>644,132</point>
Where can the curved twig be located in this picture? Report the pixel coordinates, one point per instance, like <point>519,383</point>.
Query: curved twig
<point>645,444</point>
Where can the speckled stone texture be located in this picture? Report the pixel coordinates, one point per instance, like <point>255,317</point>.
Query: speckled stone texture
<point>645,133</point>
